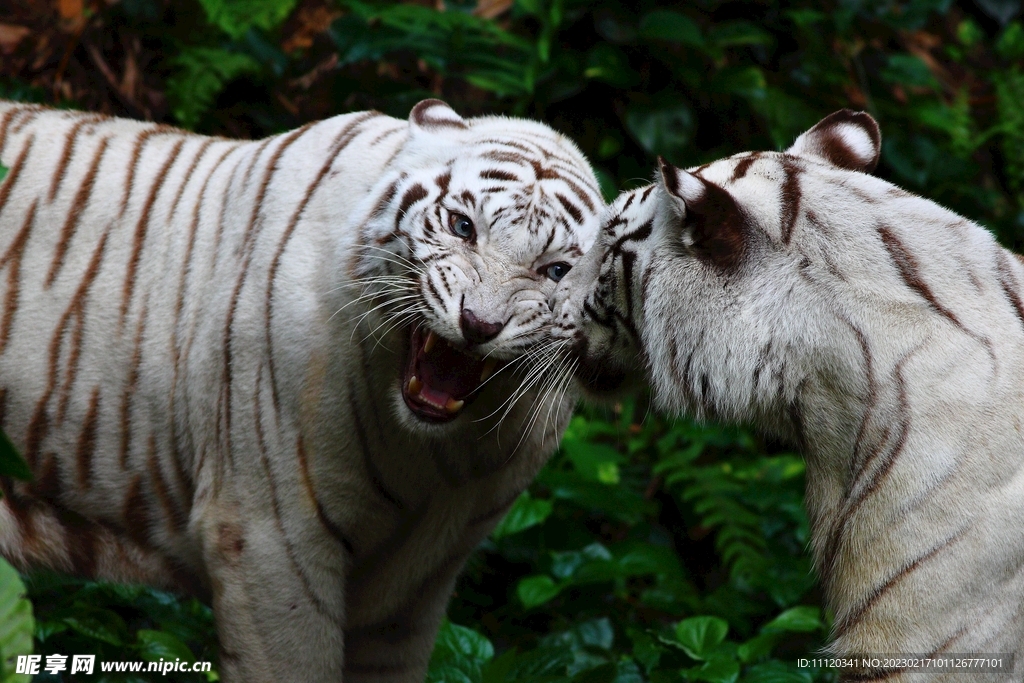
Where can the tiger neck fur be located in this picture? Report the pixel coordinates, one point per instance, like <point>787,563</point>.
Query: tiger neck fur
<point>873,329</point>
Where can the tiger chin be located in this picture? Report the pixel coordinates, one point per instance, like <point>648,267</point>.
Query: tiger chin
<point>302,377</point>
<point>877,332</point>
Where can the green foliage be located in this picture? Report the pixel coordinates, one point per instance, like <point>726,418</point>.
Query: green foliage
<point>688,564</point>
<point>236,17</point>
<point>200,74</point>
<point>647,550</point>
<point>16,624</point>
<point>118,622</point>
<point>11,464</point>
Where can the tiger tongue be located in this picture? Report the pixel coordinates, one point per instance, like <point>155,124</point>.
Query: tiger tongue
<point>445,372</point>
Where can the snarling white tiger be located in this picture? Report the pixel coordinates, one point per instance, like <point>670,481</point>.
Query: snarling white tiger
<point>275,372</point>
<point>875,330</point>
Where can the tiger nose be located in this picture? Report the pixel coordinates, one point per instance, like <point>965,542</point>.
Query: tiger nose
<point>477,331</point>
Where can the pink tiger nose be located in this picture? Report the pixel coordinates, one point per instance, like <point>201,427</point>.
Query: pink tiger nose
<point>477,331</point>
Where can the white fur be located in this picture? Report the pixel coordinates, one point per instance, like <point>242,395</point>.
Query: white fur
<point>884,339</point>
<point>269,459</point>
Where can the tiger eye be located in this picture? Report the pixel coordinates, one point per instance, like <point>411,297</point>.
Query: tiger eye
<point>461,226</point>
<point>556,271</point>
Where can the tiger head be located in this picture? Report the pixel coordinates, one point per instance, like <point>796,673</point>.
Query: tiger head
<point>713,281</point>
<point>464,241</point>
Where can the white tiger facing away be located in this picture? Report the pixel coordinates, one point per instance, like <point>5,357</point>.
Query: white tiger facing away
<point>272,372</point>
<point>879,332</point>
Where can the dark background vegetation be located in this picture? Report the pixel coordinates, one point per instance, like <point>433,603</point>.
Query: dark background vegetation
<point>648,550</point>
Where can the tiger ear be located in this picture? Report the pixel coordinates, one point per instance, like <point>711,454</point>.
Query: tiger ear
<point>847,139</point>
<point>433,116</point>
<point>713,226</point>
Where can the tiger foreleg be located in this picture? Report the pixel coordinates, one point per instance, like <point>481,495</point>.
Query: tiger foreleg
<point>273,621</point>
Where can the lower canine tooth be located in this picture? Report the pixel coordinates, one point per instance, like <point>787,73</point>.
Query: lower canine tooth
<point>431,340</point>
<point>488,368</point>
<point>453,406</point>
<point>414,386</point>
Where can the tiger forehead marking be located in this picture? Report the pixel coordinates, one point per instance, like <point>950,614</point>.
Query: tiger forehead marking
<point>876,331</point>
<point>301,376</point>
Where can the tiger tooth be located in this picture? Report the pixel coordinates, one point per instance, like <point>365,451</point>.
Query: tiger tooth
<point>431,340</point>
<point>488,368</point>
<point>415,386</point>
<point>453,406</point>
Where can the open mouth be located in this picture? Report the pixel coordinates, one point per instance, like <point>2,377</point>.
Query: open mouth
<point>440,380</point>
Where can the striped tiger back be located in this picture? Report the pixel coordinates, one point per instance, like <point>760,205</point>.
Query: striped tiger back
<point>207,357</point>
<point>873,329</point>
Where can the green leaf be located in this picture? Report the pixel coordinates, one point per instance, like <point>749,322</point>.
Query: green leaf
<point>536,590</point>
<point>235,17</point>
<point>465,642</point>
<point>1009,46</point>
<point>525,513</point>
<point>739,33</point>
<point>3,171</point>
<point>605,673</point>
<point>97,623</point>
<point>671,26</point>
<point>666,130</point>
<point>200,74</point>
<point>802,619</point>
<point>908,70</point>
<point>16,624</point>
<point>700,635</point>
<point>156,645</point>
<point>715,670</point>
<point>11,464</point>
<point>776,672</point>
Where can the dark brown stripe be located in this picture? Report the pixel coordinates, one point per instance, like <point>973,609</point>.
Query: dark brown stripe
<point>411,196</point>
<point>39,424</point>
<point>8,183</point>
<point>789,198</point>
<point>261,445</point>
<point>70,139</point>
<point>129,393</point>
<point>12,260</point>
<point>78,206</point>
<point>376,476</point>
<point>176,521</point>
<point>248,248</point>
<point>140,141</point>
<point>1008,282</point>
<point>5,122</point>
<point>341,142</point>
<point>86,446</point>
<point>187,176</point>
<point>142,228</point>
<point>135,513</point>
<point>743,166</point>
<point>911,274</point>
<point>256,157</point>
<point>573,210</point>
<point>332,528</point>
<point>495,174</point>
<point>858,613</point>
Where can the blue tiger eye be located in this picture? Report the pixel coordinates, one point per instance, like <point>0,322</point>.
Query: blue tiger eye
<point>556,271</point>
<point>461,226</point>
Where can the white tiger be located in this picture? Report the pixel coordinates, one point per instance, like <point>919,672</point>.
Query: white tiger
<point>259,370</point>
<point>879,332</point>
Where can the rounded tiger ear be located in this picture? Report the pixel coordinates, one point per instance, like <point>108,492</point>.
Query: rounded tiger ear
<point>433,116</point>
<point>712,225</point>
<point>682,188</point>
<point>847,139</point>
